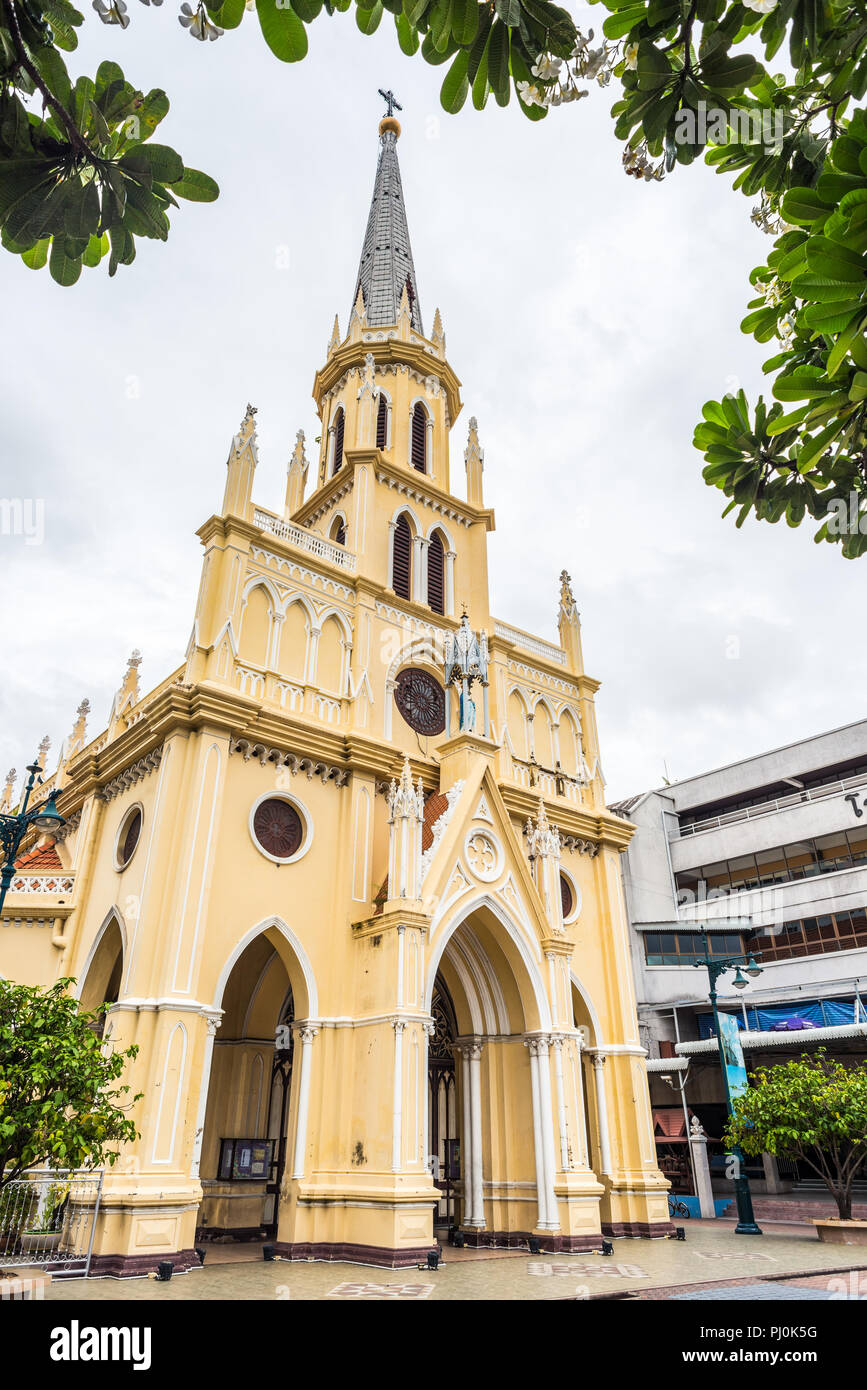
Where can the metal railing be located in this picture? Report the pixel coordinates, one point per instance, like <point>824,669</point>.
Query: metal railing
<point>48,1220</point>
<point>780,803</point>
<point>305,540</point>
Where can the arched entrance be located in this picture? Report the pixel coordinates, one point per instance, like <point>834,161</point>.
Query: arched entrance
<point>247,1116</point>
<point>500,1126</point>
<point>444,1146</point>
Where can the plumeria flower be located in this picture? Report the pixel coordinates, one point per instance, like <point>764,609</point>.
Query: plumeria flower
<point>530,94</point>
<point>571,93</point>
<point>198,23</point>
<point>761,6</point>
<point>630,55</point>
<point>546,67</point>
<point>112,13</point>
<point>785,330</point>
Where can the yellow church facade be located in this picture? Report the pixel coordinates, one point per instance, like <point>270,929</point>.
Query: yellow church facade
<point>347,877</point>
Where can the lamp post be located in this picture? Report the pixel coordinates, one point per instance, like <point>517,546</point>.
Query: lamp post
<point>13,829</point>
<point>716,966</point>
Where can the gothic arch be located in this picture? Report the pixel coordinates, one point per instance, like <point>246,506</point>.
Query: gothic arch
<point>294,957</point>
<point>520,954</point>
<point>102,971</point>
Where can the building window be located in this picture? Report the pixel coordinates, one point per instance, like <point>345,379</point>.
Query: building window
<point>338,530</point>
<point>382,422</point>
<point>813,936</point>
<point>402,570</point>
<point>803,859</point>
<point>339,428</point>
<point>128,837</point>
<point>566,897</point>
<point>280,828</point>
<point>685,948</point>
<point>418,443</point>
<point>436,562</point>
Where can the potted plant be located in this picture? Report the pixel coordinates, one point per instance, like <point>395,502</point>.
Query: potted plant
<point>43,1232</point>
<point>813,1109</point>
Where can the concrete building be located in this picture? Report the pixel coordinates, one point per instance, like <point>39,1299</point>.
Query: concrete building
<point>770,853</point>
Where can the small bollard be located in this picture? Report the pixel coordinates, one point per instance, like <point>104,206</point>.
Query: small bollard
<point>267,1252</point>
<point>201,1252</point>
<point>433,1259</point>
<point>534,1246</point>
<point>607,1247</point>
<point>165,1270</point>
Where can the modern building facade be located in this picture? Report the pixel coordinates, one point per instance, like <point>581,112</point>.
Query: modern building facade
<point>771,853</point>
<point>347,876</point>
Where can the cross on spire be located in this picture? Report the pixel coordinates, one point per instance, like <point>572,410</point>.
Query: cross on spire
<point>391,101</point>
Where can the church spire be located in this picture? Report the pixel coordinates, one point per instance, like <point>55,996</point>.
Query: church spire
<point>386,268</point>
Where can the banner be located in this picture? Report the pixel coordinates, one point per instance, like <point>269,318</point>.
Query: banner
<point>733,1056</point>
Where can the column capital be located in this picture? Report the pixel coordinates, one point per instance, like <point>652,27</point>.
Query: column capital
<point>307,1032</point>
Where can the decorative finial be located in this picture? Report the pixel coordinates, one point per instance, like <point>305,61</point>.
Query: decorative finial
<point>43,751</point>
<point>299,457</point>
<point>248,427</point>
<point>334,342</point>
<point>6,797</point>
<point>134,661</point>
<point>83,709</point>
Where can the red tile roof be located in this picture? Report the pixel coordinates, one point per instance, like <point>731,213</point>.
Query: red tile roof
<point>40,861</point>
<point>433,809</point>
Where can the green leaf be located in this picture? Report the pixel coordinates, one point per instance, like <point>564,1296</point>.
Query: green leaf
<point>37,256</point>
<point>64,269</point>
<point>367,20</point>
<point>498,62</point>
<point>283,31</point>
<point>407,35</point>
<point>455,87</point>
<point>509,11</point>
<point>165,163</point>
<point>229,14</point>
<point>196,187</point>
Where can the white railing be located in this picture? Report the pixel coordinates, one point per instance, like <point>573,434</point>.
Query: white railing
<point>780,803</point>
<point>547,650</point>
<point>42,883</point>
<point>305,540</point>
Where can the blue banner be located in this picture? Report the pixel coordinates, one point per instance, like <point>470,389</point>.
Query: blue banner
<point>733,1056</point>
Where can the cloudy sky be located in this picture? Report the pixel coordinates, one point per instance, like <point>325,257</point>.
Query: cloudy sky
<point>587,315</point>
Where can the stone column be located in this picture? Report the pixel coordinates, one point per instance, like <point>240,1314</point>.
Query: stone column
<point>450,583</point>
<point>212,1021</point>
<point>565,1161</point>
<point>542,1218</point>
<point>475,1063</point>
<point>466,1137</point>
<point>546,1118</point>
<point>306,1033</point>
<point>701,1167</point>
<point>397,1102</point>
<point>602,1113</point>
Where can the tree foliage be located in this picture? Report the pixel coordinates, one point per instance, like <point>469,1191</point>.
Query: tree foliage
<point>60,1104</point>
<point>813,1109</point>
<point>81,178</point>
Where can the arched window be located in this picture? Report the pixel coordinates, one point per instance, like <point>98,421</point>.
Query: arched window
<point>338,531</point>
<point>339,424</point>
<point>402,558</point>
<point>418,443</point>
<point>436,593</point>
<point>382,422</point>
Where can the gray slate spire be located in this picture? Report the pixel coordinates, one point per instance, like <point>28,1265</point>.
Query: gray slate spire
<point>386,257</point>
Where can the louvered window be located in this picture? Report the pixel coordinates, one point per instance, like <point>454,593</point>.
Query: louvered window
<point>402,558</point>
<point>382,423</point>
<point>436,574</point>
<point>418,450</point>
<point>338,440</point>
<point>338,532</point>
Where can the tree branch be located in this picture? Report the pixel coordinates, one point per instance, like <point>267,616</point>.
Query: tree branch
<point>76,139</point>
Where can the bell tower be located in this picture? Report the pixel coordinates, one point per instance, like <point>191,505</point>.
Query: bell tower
<point>387,397</point>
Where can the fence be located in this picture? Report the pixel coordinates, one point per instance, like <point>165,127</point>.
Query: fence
<point>48,1220</point>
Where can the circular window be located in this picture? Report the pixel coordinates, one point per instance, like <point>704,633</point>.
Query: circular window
<point>280,828</point>
<point>421,700</point>
<point>128,837</point>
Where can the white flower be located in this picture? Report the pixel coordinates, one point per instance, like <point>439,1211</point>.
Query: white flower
<point>198,23</point>
<point>546,67</point>
<point>112,13</point>
<point>630,54</point>
<point>785,330</point>
<point>530,94</point>
<point>761,6</point>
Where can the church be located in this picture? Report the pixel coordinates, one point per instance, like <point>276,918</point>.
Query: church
<point>346,876</point>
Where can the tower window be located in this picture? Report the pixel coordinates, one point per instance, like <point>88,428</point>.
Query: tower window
<point>418,446</point>
<point>436,574</point>
<point>338,440</point>
<point>382,422</point>
<point>402,558</point>
<point>338,531</point>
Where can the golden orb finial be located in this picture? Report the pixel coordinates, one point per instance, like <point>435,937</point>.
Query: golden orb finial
<point>389,123</point>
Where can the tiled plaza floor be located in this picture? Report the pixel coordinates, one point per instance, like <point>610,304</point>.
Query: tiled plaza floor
<point>711,1254</point>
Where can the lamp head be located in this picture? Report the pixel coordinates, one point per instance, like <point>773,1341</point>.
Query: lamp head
<point>740,981</point>
<point>48,819</point>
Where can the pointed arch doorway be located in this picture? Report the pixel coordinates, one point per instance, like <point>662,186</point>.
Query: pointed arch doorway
<point>442,1106</point>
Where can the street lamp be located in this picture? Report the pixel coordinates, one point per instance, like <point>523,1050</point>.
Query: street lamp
<point>716,966</point>
<point>46,818</point>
